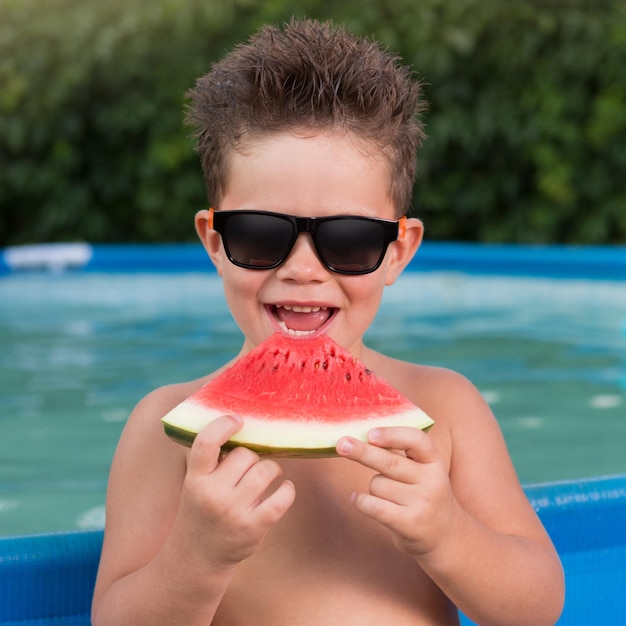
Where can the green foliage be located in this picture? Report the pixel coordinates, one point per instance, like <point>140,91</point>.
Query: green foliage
<point>93,145</point>
<point>527,118</point>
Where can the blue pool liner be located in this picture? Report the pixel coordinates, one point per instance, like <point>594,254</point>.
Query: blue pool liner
<point>600,262</point>
<point>48,580</point>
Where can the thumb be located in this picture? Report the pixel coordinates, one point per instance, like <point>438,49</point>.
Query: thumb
<point>206,448</point>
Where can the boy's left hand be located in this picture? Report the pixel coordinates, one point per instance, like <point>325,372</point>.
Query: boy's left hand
<point>411,493</point>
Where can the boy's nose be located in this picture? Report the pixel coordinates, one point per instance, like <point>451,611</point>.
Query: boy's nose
<point>303,264</point>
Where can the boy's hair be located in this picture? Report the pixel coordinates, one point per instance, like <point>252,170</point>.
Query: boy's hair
<point>308,76</point>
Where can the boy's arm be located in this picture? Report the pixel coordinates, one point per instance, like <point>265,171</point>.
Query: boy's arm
<point>177,528</point>
<point>472,528</point>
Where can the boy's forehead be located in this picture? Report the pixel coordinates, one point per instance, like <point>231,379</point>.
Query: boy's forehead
<point>336,143</point>
<point>299,160</point>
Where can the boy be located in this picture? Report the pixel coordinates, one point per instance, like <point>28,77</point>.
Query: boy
<point>405,529</point>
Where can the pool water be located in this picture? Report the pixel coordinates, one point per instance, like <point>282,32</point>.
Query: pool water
<point>78,350</point>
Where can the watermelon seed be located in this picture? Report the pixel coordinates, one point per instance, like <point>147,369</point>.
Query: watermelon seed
<point>348,377</point>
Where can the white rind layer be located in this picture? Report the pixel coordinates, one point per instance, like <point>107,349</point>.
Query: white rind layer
<point>192,418</point>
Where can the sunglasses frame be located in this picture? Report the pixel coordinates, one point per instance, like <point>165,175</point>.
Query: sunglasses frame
<point>393,230</point>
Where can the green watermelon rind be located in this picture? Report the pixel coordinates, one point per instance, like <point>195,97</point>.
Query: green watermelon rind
<point>186,438</point>
<point>268,438</point>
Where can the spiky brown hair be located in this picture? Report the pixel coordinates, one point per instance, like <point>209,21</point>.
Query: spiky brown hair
<point>308,76</point>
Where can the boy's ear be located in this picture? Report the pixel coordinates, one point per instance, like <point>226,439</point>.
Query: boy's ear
<point>403,249</point>
<point>210,239</point>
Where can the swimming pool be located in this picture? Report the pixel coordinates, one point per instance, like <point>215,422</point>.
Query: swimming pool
<point>542,336</point>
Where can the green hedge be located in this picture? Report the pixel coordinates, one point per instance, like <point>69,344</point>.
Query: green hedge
<point>527,120</point>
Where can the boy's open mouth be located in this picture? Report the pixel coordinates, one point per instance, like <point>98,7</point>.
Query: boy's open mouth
<point>301,320</point>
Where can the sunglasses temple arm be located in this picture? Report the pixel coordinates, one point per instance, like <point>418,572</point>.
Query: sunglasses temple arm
<point>210,220</point>
<point>401,227</point>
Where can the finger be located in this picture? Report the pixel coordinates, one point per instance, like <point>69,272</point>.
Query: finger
<point>234,466</point>
<point>205,451</point>
<point>277,504</point>
<point>243,472</point>
<point>417,445</point>
<point>257,478</point>
<point>379,509</point>
<point>390,490</point>
<point>383,461</point>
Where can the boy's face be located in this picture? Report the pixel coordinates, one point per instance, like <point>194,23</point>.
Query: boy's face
<point>312,175</point>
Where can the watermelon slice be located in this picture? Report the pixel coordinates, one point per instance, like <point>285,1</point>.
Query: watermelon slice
<point>297,397</point>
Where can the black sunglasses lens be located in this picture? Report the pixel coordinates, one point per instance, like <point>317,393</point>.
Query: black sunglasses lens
<point>257,240</point>
<point>351,245</point>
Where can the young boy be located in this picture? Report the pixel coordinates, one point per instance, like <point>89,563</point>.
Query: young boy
<point>405,529</point>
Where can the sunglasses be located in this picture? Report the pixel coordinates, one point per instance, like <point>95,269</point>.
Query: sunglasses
<point>346,244</point>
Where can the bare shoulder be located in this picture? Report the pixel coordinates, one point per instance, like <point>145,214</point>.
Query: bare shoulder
<point>447,396</point>
<point>158,402</point>
<point>459,410</point>
<point>147,414</point>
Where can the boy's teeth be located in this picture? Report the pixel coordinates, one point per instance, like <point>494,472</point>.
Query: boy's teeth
<point>301,320</point>
<point>303,309</point>
<point>295,333</point>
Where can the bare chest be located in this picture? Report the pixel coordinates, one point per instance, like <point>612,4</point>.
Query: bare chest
<point>325,563</point>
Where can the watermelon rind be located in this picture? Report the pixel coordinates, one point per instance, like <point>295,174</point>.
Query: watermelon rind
<point>314,439</point>
<point>186,438</point>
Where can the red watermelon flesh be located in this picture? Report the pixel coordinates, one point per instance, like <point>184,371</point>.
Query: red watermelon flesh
<point>297,397</point>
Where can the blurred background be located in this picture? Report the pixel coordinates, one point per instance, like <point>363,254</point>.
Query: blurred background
<point>526,124</point>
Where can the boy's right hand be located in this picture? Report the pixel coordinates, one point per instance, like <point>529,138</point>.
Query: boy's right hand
<point>227,506</point>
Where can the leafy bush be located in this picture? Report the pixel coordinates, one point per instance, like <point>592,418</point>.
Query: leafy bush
<point>527,120</point>
<point>91,117</point>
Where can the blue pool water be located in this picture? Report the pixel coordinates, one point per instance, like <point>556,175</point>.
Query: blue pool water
<point>80,349</point>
